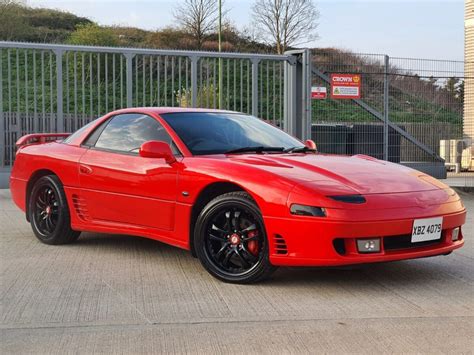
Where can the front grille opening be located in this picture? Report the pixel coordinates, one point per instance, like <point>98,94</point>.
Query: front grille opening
<point>357,199</point>
<point>404,242</point>
<point>339,246</point>
<point>280,245</point>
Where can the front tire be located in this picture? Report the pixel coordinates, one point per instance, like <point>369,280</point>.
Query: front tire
<point>230,239</point>
<point>49,212</point>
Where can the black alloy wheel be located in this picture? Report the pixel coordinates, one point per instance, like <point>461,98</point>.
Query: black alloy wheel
<point>46,213</point>
<point>49,212</point>
<point>231,241</point>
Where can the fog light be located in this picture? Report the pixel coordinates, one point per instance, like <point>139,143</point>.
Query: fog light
<point>368,245</point>
<point>455,234</point>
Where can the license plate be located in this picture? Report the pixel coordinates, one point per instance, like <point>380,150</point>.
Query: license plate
<point>426,229</point>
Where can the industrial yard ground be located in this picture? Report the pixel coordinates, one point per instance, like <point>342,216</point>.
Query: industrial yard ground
<point>108,294</point>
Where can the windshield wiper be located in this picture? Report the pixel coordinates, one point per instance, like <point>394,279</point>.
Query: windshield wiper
<point>258,149</point>
<point>303,149</point>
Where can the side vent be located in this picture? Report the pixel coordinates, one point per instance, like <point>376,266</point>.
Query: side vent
<point>80,207</point>
<point>280,245</point>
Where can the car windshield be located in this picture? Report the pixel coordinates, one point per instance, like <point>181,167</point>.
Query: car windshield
<point>221,132</point>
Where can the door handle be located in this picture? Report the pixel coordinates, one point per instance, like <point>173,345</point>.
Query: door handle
<point>85,169</point>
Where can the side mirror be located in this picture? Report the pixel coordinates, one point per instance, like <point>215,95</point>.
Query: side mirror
<point>157,149</point>
<point>310,144</point>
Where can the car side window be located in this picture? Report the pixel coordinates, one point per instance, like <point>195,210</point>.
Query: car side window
<point>77,133</point>
<point>127,132</point>
<point>94,136</point>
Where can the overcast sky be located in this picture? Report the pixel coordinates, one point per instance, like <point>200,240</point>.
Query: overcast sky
<point>416,28</point>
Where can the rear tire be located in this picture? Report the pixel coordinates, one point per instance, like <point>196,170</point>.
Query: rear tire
<point>49,212</point>
<point>230,239</point>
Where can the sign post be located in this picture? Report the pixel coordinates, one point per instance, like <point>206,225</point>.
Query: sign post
<point>345,86</point>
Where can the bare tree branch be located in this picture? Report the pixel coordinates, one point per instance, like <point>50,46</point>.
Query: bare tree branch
<point>198,18</point>
<point>284,23</point>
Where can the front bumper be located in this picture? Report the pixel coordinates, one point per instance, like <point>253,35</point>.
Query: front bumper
<point>311,241</point>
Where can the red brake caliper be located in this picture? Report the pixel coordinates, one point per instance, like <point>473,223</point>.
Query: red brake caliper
<point>252,246</point>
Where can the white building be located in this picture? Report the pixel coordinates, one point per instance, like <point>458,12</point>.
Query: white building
<point>468,125</point>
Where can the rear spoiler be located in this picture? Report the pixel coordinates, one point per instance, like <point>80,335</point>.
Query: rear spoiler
<point>40,138</point>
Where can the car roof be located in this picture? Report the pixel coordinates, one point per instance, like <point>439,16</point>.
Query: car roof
<point>163,110</point>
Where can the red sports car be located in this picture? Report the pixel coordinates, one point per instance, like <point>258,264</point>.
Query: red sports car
<point>240,194</point>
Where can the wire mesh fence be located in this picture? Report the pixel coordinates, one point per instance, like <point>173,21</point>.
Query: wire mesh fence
<point>420,100</point>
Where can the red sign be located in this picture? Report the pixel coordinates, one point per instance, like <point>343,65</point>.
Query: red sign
<point>319,93</point>
<point>345,86</point>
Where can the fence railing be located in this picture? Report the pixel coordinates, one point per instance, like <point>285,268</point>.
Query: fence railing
<point>408,110</point>
<point>55,88</point>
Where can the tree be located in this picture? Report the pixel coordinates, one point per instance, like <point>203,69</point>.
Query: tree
<point>286,22</point>
<point>452,88</point>
<point>12,24</point>
<point>451,85</point>
<point>460,92</point>
<point>198,18</point>
<point>170,37</point>
<point>94,35</point>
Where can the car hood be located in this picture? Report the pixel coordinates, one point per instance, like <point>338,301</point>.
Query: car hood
<point>342,174</point>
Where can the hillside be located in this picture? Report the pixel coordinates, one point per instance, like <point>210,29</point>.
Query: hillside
<point>27,24</point>
<point>412,98</point>
<point>22,23</point>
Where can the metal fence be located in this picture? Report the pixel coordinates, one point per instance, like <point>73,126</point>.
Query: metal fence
<point>54,88</point>
<point>410,112</point>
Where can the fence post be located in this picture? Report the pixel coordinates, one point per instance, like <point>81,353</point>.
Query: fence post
<point>306,78</point>
<point>194,80</point>
<point>255,86</point>
<point>59,91</point>
<point>129,78</point>
<point>2,118</point>
<point>386,103</point>
<point>298,75</point>
<point>289,119</point>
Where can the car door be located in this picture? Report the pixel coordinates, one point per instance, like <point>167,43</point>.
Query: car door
<point>121,187</point>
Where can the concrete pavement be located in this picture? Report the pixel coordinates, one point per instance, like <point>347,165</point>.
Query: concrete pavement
<point>116,294</point>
